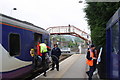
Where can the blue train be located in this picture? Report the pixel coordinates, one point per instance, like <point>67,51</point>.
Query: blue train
<point>113,46</point>
<point>16,39</point>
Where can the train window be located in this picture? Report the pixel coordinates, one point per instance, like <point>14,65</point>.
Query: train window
<point>37,38</point>
<point>14,44</point>
<point>46,41</point>
<point>115,38</point>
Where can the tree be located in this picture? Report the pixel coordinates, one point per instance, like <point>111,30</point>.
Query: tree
<point>98,14</point>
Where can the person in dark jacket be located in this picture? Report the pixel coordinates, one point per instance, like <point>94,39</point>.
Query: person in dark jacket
<point>55,54</point>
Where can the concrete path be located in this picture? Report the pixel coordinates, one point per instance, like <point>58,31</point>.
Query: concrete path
<point>77,69</point>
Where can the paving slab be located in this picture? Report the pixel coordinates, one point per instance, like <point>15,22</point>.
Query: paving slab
<point>71,68</point>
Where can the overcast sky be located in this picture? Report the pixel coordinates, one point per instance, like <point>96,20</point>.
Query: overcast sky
<point>47,13</point>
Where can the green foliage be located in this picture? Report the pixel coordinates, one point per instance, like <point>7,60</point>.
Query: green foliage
<point>72,44</point>
<point>77,39</point>
<point>98,14</point>
<point>58,37</point>
<point>72,41</point>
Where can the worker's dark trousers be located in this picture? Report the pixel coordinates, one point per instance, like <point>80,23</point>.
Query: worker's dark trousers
<point>44,67</point>
<point>44,63</point>
<point>91,70</point>
<point>55,63</point>
<point>34,62</point>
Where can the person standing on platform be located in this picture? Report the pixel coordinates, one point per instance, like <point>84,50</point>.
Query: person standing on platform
<point>91,61</point>
<point>55,54</point>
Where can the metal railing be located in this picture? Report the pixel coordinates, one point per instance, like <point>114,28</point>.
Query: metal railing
<point>71,30</point>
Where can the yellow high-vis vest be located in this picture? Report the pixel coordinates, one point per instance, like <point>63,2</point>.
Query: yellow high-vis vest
<point>43,48</point>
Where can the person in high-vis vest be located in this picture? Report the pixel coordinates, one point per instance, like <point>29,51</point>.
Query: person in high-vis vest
<point>41,48</point>
<point>38,49</point>
<point>33,58</point>
<point>36,59</point>
<point>43,51</point>
<point>91,61</point>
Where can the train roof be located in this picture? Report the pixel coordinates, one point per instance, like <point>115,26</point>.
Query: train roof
<point>113,19</point>
<point>20,23</point>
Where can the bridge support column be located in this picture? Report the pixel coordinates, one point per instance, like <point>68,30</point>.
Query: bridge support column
<point>79,47</point>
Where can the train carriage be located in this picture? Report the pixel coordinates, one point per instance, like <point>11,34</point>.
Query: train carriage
<point>113,46</point>
<point>16,39</point>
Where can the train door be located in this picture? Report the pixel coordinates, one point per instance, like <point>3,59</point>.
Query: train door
<point>108,49</point>
<point>46,41</point>
<point>113,46</point>
<point>115,50</point>
<point>37,38</point>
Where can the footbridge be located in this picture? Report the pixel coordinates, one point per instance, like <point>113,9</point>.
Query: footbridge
<point>69,30</point>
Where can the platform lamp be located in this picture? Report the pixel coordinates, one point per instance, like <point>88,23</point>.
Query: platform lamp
<point>80,1</point>
<point>12,10</point>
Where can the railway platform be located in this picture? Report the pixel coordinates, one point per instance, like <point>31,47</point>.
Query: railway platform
<point>74,67</point>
